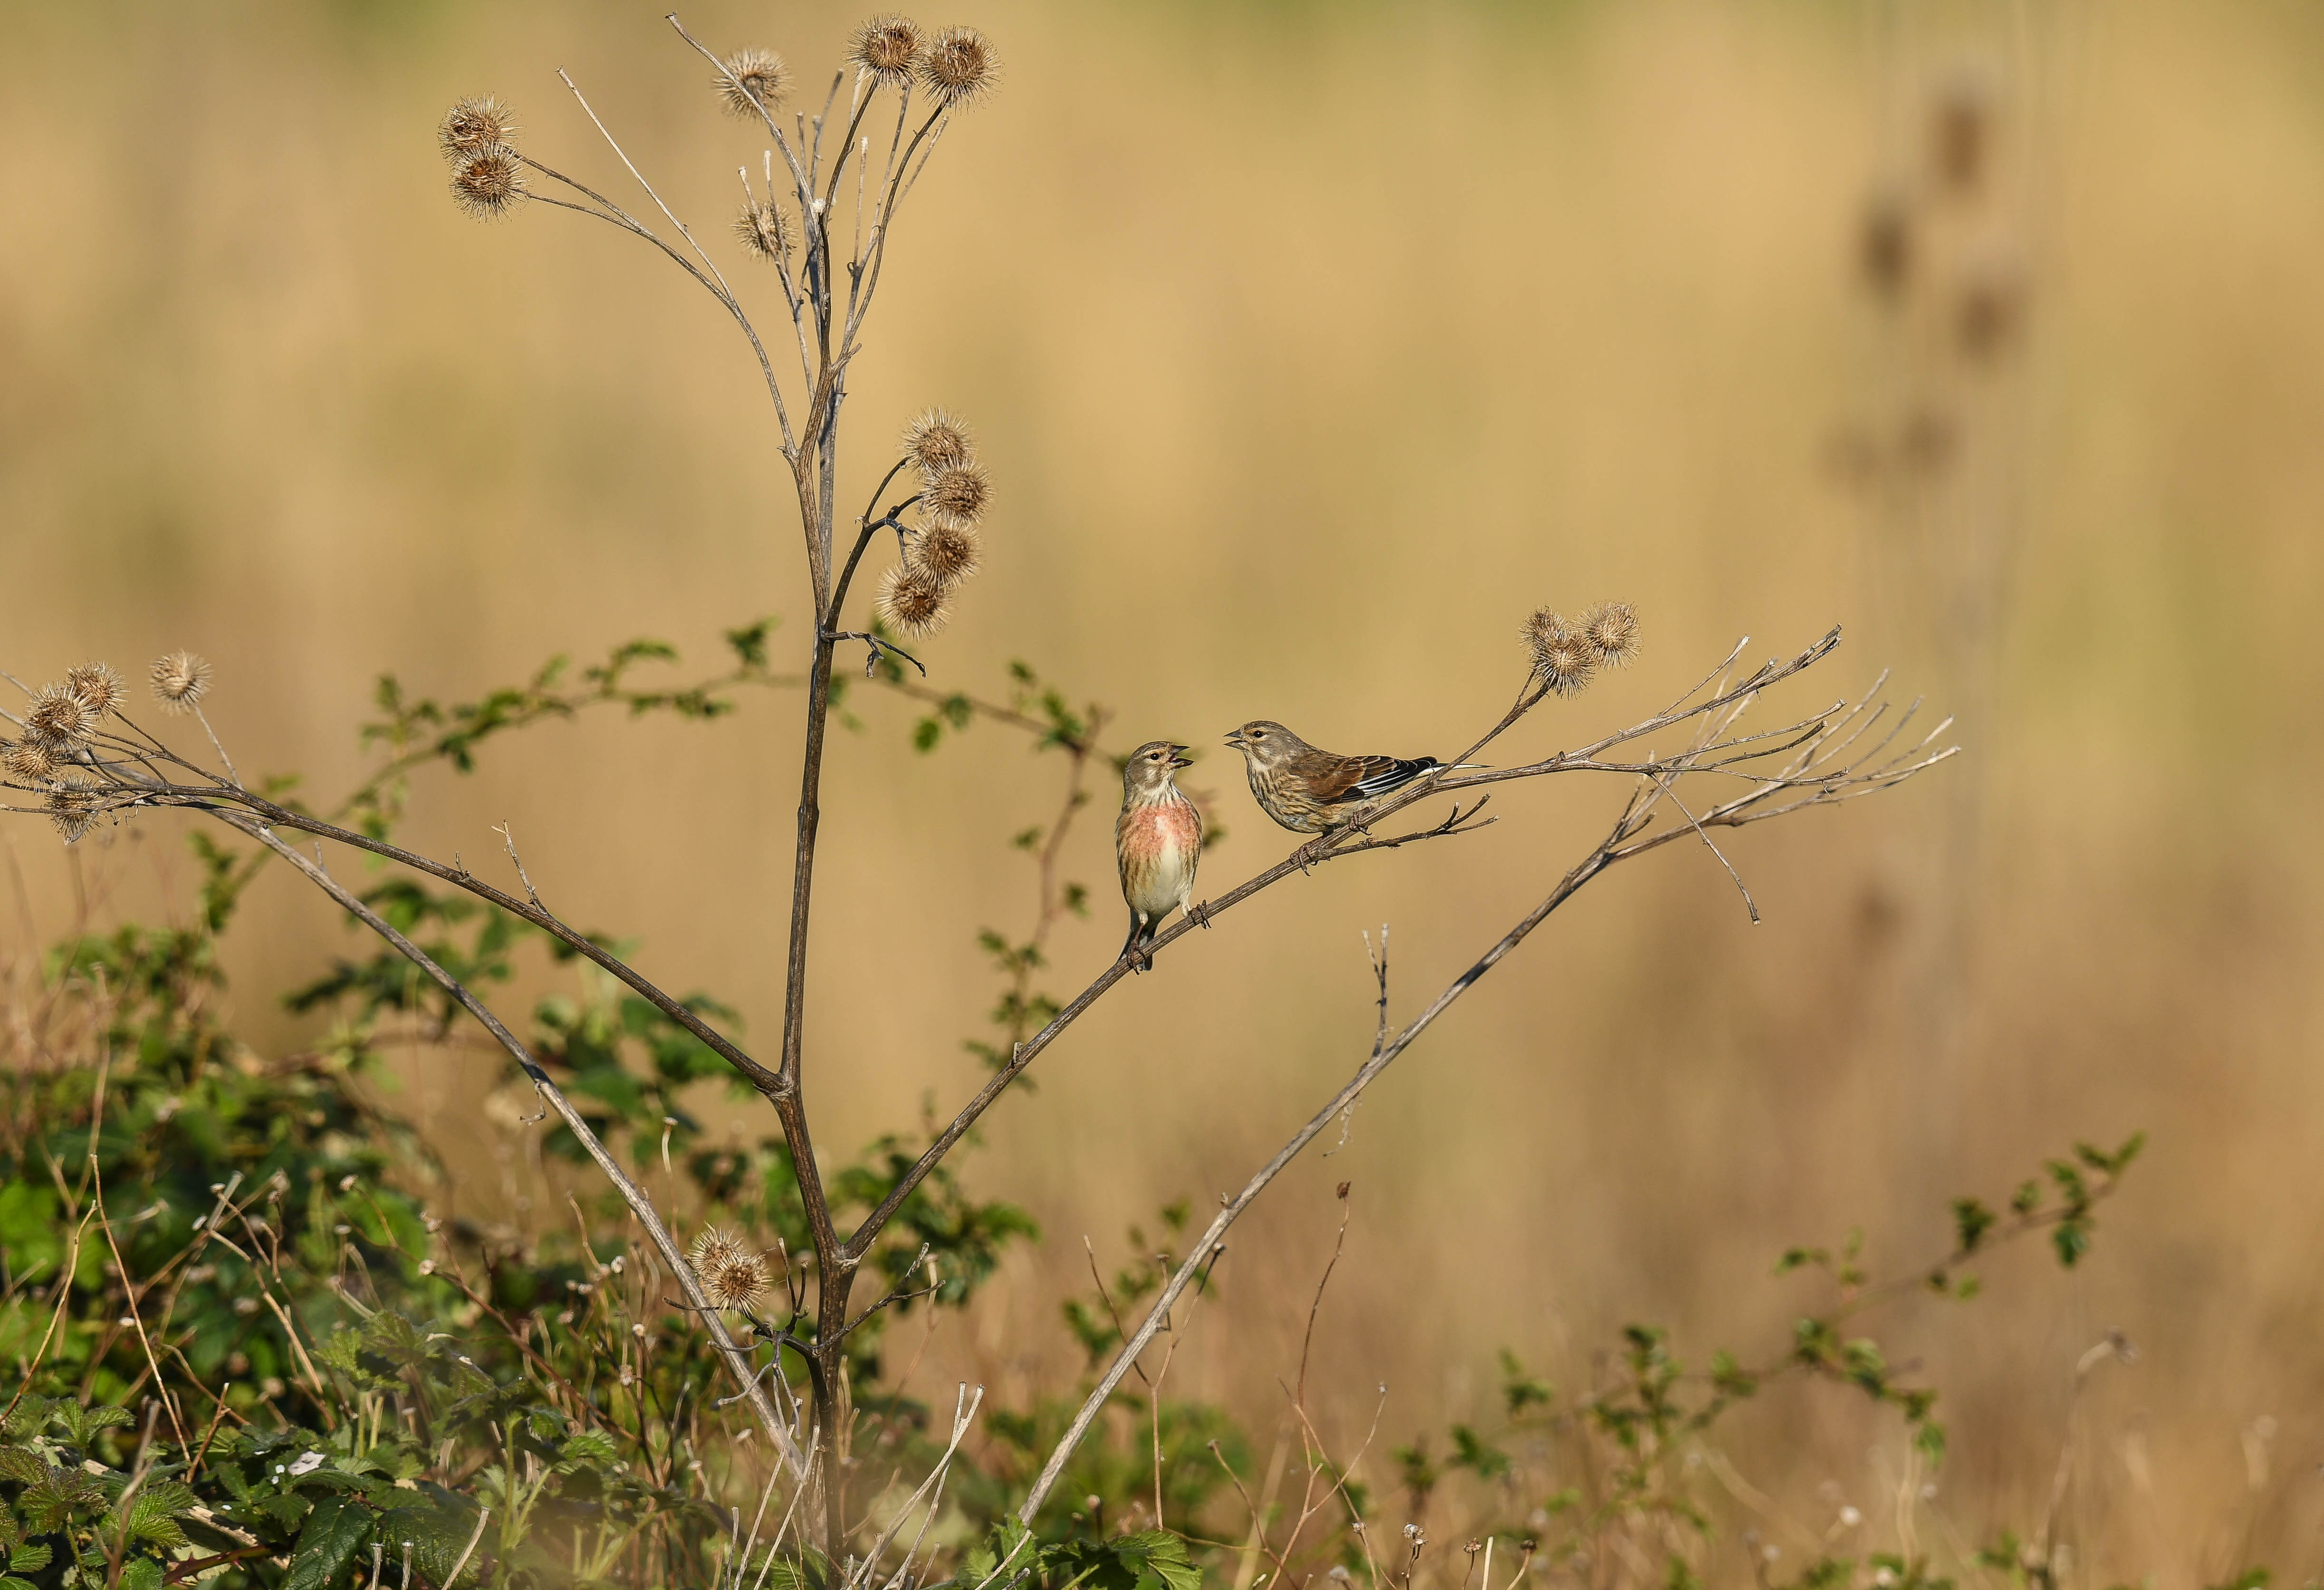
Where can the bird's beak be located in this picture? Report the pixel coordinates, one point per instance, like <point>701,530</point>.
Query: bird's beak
<point>1235,738</point>
<point>1179,757</point>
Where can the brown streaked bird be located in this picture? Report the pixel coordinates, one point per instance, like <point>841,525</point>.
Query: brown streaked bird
<point>1157,840</point>
<point>1309,790</point>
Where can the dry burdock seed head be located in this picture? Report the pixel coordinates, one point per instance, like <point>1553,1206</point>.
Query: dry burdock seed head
<point>1561,655</point>
<point>912,600</point>
<point>59,717</point>
<point>730,1273</point>
<point>1991,309</point>
<point>738,1284</point>
<point>74,803</point>
<point>885,48</point>
<point>100,689</point>
<point>474,124</point>
<point>180,680</point>
<point>950,552</point>
<point>958,65</point>
<point>956,495</point>
<point>29,760</point>
<point>766,230</point>
<point>1610,631</point>
<point>712,1247</point>
<point>936,441</point>
<point>755,81</point>
<point>1960,128</point>
<point>487,181</point>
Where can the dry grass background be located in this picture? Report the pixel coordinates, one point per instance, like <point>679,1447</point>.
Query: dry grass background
<point>1311,347</point>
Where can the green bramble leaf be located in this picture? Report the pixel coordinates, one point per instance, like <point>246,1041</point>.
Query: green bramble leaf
<point>1520,1391</point>
<point>749,644</point>
<point>154,1513</point>
<point>1971,1223</point>
<point>1472,1452</point>
<point>1729,1378</point>
<point>60,1494</point>
<point>1929,1440</point>
<point>80,1423</point>
<point>327,1543</point>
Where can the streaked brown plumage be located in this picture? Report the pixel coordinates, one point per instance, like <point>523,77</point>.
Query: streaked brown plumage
<point>1157,842</point>
<point>1307,790</point>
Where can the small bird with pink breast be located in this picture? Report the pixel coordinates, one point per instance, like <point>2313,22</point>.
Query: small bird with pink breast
<point>1158,842</point>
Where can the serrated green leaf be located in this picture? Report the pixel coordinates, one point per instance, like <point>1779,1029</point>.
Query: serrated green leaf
<point>587,1447</point>
<point>46,1506</point>
<point>328,1544</point>
<point>29,1559</point>
<point>154,1513</point>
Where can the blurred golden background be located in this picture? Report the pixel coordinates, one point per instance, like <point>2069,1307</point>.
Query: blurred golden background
<point>1312,347</point>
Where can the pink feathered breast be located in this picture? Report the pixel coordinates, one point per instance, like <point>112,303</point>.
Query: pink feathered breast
<point>1160,845</point>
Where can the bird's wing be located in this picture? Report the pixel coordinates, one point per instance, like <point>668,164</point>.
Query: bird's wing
<point>1385,773</point>
<point>1337,779</point>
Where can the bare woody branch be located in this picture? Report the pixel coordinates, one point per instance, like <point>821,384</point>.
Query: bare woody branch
<point>1816,766</point>
<point>1839,783</point>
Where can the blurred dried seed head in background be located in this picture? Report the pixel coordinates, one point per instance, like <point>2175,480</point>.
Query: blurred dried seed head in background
<point>180,680</point>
